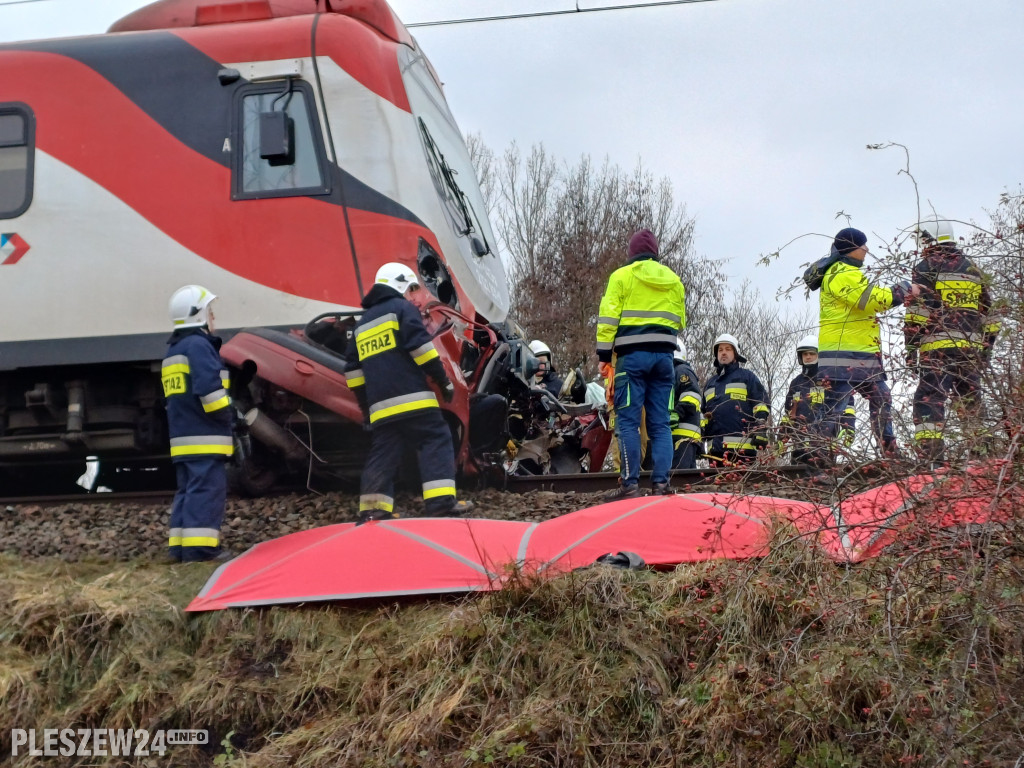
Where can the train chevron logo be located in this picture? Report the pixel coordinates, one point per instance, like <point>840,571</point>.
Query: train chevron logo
<point>12,248</point>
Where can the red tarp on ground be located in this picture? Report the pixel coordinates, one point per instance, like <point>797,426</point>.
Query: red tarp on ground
<point>385,559</point>
<point>423,556</point>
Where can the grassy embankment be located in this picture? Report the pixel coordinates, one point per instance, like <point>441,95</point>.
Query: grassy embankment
<point>915,658</point>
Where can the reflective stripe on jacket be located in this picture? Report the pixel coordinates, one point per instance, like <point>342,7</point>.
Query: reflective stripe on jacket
<point>196,385</point>
<point>952,310</point>
<point>389,357</point>
<point>735,401</point>
<point>685,417</point>
<point>848,305</point>
<point>643,307</point>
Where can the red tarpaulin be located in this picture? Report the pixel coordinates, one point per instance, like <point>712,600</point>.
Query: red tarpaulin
<point>384,559</point>
<point>425,556</point>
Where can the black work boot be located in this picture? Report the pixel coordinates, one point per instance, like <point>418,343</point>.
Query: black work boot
<point>623,492</point>
<point>368,515</point>
<point>662,489</point>
<point>457,509</point>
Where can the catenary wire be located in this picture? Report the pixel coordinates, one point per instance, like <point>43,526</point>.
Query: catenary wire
<point>507,17</point>
<point>566,12</point>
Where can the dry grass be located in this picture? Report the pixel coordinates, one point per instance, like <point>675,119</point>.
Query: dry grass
<point>916,658</point>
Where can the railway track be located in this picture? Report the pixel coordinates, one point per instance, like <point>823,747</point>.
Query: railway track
<point>570,483</point>
<point>126,497</point>
<point>605,481</point>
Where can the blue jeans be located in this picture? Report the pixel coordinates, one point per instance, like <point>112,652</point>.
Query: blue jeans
<point>644,379</point>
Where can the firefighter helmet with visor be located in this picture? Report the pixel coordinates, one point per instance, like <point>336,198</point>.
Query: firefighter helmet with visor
<point>190,307</point>
<point>728,338</point>
<point>808,343</point>
<point>397,276</point>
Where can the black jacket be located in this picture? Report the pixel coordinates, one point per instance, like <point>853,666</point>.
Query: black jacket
<point>952,311</point>
<point>195,383</point>
<point>685,418</point>
<point>389,358</point>
<point>734,402</point>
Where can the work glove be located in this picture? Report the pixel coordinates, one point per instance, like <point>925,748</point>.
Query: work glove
<point>448,391</point>
<point>760,440</point>
<point>607,371</point>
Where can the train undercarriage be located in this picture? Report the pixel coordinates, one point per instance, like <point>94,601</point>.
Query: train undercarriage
<point>103,426</point>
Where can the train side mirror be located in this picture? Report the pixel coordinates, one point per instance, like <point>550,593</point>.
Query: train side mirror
<point>479,248</point>
<point>277,138</point>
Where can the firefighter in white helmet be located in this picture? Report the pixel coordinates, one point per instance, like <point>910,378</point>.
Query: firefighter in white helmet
<point>388,362</point>
<point>735,407</point>
<point>812,437</point>
<point>546,375</point>
<point>199,423</point>
<point>948,332</point>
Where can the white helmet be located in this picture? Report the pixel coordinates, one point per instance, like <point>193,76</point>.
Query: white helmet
<point>397,276</point>
<point>808,343</point>
<point>539,348</point>
<point>727,338</point>
<point>680,353</point>
<point>935,230</point>
<point>190,307</point>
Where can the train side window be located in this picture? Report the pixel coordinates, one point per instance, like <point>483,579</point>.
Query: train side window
<point>281,115</point>
<point>17,150</point>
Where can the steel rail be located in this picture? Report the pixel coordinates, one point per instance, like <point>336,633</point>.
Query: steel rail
<point>605,481</point>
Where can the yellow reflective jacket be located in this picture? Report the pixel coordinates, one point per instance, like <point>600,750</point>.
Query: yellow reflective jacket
<point>643,307</point>
<point>848,309</point>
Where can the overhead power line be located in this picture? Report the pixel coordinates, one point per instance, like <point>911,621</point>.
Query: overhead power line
<point>538,14</point>
<point>507,17</point>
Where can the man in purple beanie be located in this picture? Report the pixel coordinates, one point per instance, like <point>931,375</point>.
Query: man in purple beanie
<point>643,308</point>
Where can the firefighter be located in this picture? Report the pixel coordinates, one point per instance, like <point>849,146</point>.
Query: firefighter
<point>642,309</point>
<point>546,376</point>
<point>685,416</point>
<point>388,361</point>
<point>849,352</point>
<point>812,436</point>
<point>948,334</point>
<point>735,407</point>
<point>199,423</point>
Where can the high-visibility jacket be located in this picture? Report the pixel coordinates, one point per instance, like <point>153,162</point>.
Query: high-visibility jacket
<point>389,357</point>
<point>685,418</point>
<point>196,384</point>
<point>643,308</point>
<point>952,310</point>
<point>849,341</point>
<point>735,407</point>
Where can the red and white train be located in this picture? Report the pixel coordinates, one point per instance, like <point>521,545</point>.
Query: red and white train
<point>274,151</point>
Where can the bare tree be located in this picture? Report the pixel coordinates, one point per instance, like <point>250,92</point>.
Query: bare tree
<point>768,337</point>
<point>564,229</point>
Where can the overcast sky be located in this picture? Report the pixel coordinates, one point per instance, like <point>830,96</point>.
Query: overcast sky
<point>759,111</point>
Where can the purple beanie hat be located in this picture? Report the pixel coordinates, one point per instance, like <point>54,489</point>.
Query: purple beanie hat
<point>643,241</point>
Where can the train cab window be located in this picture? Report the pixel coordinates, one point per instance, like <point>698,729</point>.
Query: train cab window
<point>279,151</point>
<point>16,155</point>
